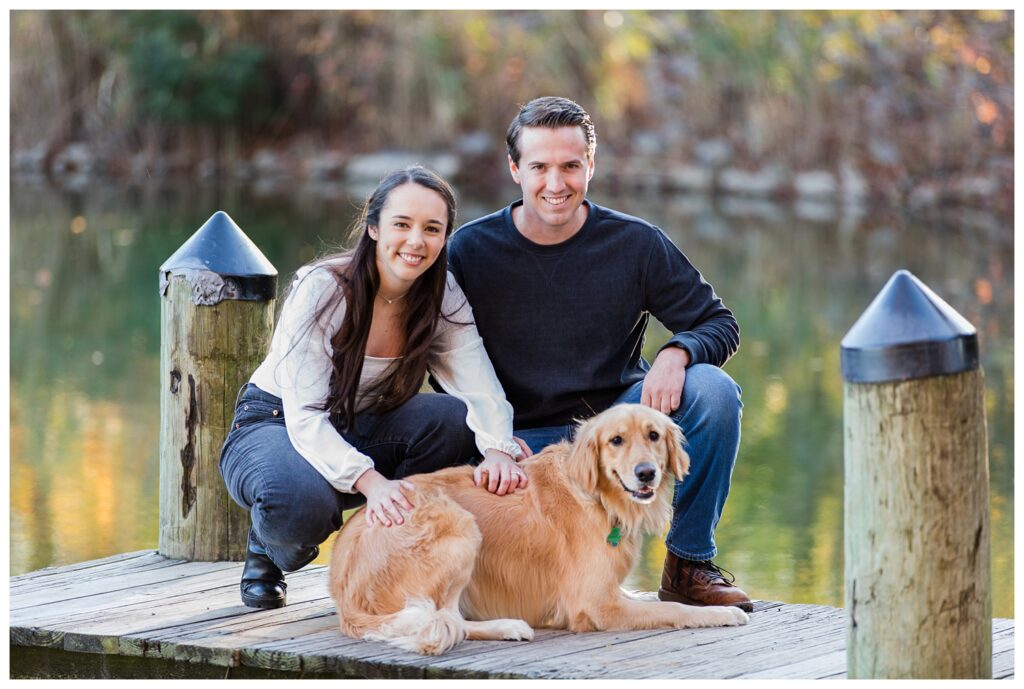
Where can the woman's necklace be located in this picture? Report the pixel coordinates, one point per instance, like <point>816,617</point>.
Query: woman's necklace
<point>391,301</point>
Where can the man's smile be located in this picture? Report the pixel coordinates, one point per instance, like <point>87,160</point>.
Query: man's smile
<point>556,200</point>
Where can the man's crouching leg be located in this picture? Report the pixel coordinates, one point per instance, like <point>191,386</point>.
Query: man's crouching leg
<point>709,417</point>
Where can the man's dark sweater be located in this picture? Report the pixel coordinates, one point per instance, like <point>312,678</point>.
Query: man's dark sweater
<point>564,324</point>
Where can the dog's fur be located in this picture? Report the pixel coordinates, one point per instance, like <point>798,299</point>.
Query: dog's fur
<point>471,564</point>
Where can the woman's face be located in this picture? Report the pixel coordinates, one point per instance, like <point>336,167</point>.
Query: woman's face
<point>410,236</point>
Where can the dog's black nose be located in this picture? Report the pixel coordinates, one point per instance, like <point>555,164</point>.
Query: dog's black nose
<point>645,472</point>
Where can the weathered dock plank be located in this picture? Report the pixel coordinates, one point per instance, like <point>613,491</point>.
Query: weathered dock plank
<point>142,615</point>
<point>96,592</point>
<point>121,562</point>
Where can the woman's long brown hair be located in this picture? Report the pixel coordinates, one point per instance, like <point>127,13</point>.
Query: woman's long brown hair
<point>358,281</point>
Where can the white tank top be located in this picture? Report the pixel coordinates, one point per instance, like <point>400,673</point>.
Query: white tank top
<point>374,368</point>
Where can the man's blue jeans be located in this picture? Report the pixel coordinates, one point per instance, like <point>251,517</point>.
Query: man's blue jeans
<point>709,417</point>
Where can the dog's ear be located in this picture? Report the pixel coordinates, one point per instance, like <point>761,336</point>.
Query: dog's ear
<point>584,460</point>
<point>678,460</point>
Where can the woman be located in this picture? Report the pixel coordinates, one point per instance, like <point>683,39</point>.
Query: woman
<point>334,410</point>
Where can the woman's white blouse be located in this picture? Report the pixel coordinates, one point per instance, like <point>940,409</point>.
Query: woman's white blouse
<point>298,370</point>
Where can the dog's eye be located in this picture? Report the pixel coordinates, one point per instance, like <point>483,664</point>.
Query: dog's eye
<point>654,436</point>
<point>617,440</point>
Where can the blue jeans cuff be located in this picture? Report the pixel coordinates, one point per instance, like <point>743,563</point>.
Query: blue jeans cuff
<point>700,556</point>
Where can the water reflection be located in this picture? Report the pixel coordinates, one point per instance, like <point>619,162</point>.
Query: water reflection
<point>85,347</point>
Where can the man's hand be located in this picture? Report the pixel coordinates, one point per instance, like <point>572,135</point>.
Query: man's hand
<point>527,452</point>
<point>503,474</point>
<point>663,385</point>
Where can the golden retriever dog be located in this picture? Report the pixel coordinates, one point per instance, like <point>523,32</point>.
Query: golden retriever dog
<point>471,564</point>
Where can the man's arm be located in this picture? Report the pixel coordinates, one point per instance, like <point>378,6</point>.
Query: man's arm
<point>703,329</point>
<point>678,296</point>
<point>455,261</point>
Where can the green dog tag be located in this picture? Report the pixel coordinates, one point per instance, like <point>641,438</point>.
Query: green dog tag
<point>614,536</point>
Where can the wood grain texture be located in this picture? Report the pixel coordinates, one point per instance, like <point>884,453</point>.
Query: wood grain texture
<point>918,582</point>
<point>148,616</point>
<point>206,354</point>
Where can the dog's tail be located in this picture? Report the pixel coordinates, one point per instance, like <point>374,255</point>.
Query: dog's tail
<point>419,627</point>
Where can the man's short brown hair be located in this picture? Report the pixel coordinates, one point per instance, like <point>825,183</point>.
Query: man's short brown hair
<point>551,112</point>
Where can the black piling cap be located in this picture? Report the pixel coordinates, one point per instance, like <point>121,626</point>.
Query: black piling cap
<point>220,247</point>
<point>907,332</point>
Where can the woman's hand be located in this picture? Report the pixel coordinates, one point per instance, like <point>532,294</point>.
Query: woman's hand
<point>503,474</point>
<point>385,500</point>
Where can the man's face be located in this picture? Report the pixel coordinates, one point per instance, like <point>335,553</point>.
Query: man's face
<point>553,172</point>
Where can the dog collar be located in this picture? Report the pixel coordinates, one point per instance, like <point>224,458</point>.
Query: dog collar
<point>614,536</point>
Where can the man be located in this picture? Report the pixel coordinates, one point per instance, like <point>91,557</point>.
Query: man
<point>562,290</point>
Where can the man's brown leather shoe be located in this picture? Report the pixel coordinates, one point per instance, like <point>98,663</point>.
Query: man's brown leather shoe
<point>700,583</point>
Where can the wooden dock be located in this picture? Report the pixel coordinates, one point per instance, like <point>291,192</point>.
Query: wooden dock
<point>142,615</point>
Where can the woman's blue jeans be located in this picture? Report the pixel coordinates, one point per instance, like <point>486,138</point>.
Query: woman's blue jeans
<point>709,416</point>
<point>292,507</point>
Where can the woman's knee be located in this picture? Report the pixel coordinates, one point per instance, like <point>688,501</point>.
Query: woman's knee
<point>444,423</point>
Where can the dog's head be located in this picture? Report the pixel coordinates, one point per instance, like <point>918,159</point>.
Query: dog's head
<point>628,456</point>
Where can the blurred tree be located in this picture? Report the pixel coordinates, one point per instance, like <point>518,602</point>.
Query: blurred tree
<point>186,69</point>
<point>905,96</point>
<point>79,63</point>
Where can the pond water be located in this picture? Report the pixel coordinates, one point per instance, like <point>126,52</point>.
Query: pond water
<point>85,357</point>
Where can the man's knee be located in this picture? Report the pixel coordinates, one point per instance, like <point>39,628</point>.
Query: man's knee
<point>710,389</point>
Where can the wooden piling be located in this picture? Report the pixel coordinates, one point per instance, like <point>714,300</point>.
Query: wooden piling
<point>918,582</point>
<point>217,314</point>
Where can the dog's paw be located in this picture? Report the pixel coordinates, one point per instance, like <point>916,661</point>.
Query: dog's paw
<point>727,616</point>
<point>516,630</point>
<point>741,617</point>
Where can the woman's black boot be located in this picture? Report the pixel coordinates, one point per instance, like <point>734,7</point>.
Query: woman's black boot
<point>262,581</point>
